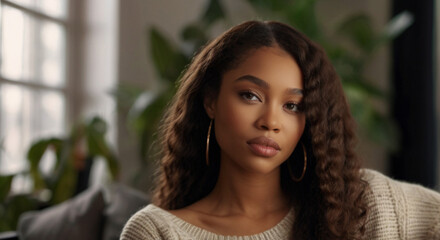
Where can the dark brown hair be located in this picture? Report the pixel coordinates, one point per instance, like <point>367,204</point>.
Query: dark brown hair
<point>329,200</point>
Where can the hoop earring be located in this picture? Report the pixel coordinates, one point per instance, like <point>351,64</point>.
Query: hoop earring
<point>304,169</point>
<point>207,143</point>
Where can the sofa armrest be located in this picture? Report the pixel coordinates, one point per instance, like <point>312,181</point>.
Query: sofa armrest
<point>8,235</point>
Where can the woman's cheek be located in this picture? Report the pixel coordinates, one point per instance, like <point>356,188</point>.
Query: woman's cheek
<point>237,115</point>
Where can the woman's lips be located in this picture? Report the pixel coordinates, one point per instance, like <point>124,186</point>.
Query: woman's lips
<point>264,147</point>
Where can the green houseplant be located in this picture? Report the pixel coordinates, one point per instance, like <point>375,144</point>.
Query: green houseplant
<point>74,155</point>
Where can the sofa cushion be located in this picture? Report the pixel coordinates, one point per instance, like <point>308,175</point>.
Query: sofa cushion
<point>123,203</point>
<point>77,218</point>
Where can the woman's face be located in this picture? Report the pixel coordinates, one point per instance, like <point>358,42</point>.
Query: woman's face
<point>257,115</point>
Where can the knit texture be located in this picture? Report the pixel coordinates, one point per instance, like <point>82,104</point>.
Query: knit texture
<point>397,210</point>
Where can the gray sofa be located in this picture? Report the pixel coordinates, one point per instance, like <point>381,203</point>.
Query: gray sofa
<point>97,213</point>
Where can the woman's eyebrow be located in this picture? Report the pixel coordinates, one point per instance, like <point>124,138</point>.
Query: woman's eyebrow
<point>255,80</point>
<point>264,84</point>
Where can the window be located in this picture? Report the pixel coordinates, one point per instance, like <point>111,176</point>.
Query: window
<point>33,93</point>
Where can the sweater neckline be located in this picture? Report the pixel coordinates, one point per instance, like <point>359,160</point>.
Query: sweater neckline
<point>281,229</point>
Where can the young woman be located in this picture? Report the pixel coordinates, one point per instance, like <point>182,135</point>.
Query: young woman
<point>258,144</point>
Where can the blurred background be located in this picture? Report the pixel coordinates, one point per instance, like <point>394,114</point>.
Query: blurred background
<point>83,84</point>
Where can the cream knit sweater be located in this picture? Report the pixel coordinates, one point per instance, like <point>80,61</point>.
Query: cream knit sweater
<point>397,210</point>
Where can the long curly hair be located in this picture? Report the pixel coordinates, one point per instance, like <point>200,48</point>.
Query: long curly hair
<point>329,201</point>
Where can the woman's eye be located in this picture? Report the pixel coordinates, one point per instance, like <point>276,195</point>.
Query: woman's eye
<point>249,96</point>
<point>293,107</point>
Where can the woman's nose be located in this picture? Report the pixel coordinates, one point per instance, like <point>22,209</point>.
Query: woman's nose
<point>269,120</point>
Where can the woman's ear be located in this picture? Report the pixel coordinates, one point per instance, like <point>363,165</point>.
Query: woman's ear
<point>209,105</point>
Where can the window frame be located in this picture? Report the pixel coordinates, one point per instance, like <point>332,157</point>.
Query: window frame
<point>67,89</point>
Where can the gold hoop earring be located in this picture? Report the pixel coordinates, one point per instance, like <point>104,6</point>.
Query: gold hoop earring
<point>304,169</point>
<point>207,143</point>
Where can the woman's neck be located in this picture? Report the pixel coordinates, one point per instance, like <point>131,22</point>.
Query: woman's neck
<point>252,194</point>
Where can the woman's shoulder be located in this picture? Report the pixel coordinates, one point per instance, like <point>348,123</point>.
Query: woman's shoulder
<point>380,184</point>
<point>151,222</point>
<point>401,210</point>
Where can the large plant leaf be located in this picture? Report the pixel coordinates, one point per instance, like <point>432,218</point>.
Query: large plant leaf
<point>35,155</point>
<point>147,121</point>
<point>377,126</point>
<point>64,151</point>
<point>168,61</point>
<point>125,95</point>
<point>271,6</point>
<point>348,66</point>
<point>97,125</point>
<point>141,104</point>
<point>363,90</point>
<point>144,115</point>
<point>59,183</point>
<point>196,35</point>
<point>113,165</point>
<point>302,16</point>
<point>299,13</point>
<point>5,186</point>
<point>11,210</point>
<point>65,186</point>
<point>213,12</point>
<point>358,29</point>
<point>98,146</point>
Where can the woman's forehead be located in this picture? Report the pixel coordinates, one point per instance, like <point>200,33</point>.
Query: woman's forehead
<point>267,64</point>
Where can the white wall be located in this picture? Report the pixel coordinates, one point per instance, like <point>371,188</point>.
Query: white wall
<point>93,61</point>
